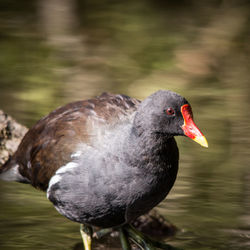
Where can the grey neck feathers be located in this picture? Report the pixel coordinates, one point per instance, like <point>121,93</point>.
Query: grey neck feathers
<point>149,148</point>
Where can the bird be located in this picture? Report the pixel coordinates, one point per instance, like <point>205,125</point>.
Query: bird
<point>105,161</point>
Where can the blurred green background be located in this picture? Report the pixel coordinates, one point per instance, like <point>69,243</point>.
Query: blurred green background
<point>56,51</point>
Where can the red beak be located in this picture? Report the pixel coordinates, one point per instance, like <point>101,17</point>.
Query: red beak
<point>189,127</point>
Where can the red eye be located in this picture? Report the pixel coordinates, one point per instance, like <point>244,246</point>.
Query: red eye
<point>170,111</point>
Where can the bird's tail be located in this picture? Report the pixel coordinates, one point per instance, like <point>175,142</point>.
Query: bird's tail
<point>5,166</point>
<point>6,169</point>
<point>9,171</point>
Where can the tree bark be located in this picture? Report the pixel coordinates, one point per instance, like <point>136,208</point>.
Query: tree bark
<point>11,134</point>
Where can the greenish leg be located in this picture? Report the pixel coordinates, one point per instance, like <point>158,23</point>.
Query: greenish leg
<point>144,241</point>
<point>99,234</point>
<point>138,238</point>
<point>127,231</point>
<point>86,233</point>
<point>124,239</point>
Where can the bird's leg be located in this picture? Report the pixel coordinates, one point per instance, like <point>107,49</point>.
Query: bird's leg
<point>138,238</point>
<point>99,234</point>
<point>86,233</point>
<point>124,239</point>
<point>144,241</point>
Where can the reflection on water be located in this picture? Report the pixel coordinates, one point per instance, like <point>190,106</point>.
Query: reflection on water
<point>53,52</point>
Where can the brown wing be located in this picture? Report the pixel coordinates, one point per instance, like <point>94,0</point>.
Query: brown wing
<point>48,145</point>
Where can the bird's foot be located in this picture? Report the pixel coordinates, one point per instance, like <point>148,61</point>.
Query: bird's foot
<point>99,234</point>
<point>143,241</point>
<point>126,233</point>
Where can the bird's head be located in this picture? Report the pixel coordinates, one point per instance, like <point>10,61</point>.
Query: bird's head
<point>167,113</point>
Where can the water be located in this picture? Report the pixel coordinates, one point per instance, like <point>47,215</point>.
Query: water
<point>54,52</point>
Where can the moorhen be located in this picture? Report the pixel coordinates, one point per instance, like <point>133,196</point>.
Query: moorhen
<point>105,161</point>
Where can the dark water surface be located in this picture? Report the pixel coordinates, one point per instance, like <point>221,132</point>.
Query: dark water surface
<point>56,51</point>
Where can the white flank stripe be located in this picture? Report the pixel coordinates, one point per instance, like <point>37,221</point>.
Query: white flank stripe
<point>76,154</point>
<point>54,180</point>
<point>66,168</point>
<point>57,177</point>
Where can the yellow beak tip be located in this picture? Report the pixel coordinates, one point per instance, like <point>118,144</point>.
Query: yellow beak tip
<point>202,141</point>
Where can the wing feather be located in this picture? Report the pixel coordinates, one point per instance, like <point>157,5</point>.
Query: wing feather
<point>51,142</point>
